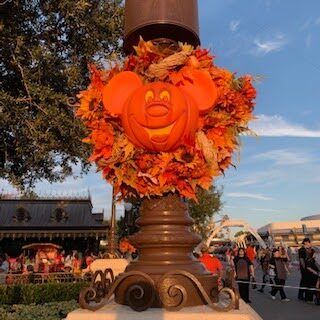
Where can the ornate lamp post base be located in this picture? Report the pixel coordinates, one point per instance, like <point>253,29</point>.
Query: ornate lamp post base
<point>166,273</point>
<point>165,244</point>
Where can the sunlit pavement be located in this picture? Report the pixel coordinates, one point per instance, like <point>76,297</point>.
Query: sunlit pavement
<point>270,309</point>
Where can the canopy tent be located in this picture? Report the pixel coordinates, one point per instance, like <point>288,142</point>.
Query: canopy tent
<point>36,246</point>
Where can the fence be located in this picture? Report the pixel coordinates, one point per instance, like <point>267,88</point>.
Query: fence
<point>53,277</point>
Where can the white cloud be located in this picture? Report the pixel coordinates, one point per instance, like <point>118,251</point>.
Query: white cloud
<point>229,207</point>
<point>308,41</point>
<point>261,177</point>
<point>234,25</point>
<point>257,196</point>
<point>276,126</point>
<point>283,157</point>
<point>263,47</point>
<point>317,22</point>
<point>306,24</point>
<point>266,210</point>
<point>246,182</point>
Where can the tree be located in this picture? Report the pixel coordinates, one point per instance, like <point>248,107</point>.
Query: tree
<point>209,204</point>
<point>45,49</point>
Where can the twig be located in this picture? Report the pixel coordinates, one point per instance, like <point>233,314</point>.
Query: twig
<point>22,75</point>
<point>31,102</point>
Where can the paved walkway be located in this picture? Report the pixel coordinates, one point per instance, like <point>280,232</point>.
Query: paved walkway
<point>270,309</point>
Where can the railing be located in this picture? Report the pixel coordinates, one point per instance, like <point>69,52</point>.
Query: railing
<point>57,277</point>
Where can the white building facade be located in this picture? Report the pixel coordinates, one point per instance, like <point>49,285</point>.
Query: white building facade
<point>291,233</point>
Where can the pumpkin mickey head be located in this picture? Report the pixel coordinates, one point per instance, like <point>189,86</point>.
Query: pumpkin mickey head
<point>159,116</point>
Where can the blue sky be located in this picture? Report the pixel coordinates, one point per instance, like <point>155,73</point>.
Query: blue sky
<point>278,175</point>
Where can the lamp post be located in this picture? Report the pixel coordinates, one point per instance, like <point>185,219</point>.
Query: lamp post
<point>112,237</point>
<point>166,273</point>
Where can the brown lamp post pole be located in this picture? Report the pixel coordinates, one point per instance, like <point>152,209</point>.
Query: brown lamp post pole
<point>173,20</point>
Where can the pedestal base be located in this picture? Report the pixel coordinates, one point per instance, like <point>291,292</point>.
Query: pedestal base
<point>192,294</point>
<point>166,275</point>
<point>165,242</point>
<point>114,311</point>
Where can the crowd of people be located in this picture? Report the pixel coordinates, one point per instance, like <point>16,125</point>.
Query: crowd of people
<point>274,263</point>
<point>45,261</point>
<point>49,259</point>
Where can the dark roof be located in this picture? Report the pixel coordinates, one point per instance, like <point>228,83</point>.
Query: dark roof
<point>41,214</point>
<point>98,217</point>
<point>314,217</point>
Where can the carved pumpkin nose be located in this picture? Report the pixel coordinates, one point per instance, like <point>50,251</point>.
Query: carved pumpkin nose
<point>157,110</point>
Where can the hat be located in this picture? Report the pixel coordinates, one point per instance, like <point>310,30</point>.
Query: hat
<point>305,240</point>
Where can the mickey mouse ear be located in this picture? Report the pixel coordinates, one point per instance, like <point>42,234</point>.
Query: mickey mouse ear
<point>118,90</point>
<point>202,89</point>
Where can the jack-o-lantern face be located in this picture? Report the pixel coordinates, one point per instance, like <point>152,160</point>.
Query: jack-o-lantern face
<point>158,116</point>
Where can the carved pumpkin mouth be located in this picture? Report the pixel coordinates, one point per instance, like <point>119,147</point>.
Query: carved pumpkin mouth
<point>159,134</point>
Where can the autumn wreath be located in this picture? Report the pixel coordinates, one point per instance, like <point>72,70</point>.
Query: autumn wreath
<point>158,125</point>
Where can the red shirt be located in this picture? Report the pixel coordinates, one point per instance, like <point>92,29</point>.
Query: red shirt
<point>212,264</point>
<point>251,253</point>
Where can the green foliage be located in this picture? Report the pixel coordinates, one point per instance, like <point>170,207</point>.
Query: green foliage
<point>48,311</point>
<point>40,293</point>
<point>209,204</point>
<point>45,49</point>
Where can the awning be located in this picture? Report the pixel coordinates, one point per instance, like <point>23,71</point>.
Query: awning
<point>36,246</point>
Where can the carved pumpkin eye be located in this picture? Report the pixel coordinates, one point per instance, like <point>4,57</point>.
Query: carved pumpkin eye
<point>149,96</point>
<point>165,95</point>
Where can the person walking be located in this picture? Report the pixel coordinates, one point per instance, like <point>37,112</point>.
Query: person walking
<point>312,275</point>
<point>302,253</point>
<point>243,268</point>
<point>264,261</point>
<point>278,263</point>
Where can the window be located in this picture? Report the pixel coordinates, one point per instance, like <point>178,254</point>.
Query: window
<point>59,215</point>
<point>22,215</point>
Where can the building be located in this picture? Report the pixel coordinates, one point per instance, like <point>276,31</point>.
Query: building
<point>293,232</point>
<point>68,222</point>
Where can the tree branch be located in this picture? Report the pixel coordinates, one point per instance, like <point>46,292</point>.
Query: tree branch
<point>22,75</point>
